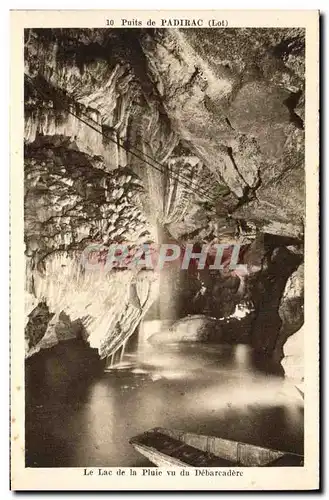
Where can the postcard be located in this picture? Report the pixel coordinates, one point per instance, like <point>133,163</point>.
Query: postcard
<point>164,250</point>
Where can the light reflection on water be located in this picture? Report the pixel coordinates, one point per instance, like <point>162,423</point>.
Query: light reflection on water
<point>207,389</point>
<point>211,390</point>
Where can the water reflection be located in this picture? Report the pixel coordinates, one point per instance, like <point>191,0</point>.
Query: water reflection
<point>214,390</point>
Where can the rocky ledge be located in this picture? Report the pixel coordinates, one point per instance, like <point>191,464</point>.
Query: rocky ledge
<point>163,135</point>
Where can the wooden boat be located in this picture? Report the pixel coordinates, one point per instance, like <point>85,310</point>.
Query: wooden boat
<point>173,448</point>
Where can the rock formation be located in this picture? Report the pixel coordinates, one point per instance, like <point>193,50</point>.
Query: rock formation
<point>133,134</point>
<point>293,361</point>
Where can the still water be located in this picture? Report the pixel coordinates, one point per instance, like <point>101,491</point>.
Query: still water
<point>213,390</point>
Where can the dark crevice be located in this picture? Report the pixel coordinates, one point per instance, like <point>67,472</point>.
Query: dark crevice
<point>249,193</point>
<point>291,103</point>
<point>229,123</point>
<point>267,295</point>
<point>230,154</point>
<point>288,46</point>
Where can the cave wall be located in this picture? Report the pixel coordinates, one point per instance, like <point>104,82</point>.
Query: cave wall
<point>112,118</point>
<point>235,97</point>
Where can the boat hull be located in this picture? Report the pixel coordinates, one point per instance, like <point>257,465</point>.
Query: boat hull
<point>173,448</point>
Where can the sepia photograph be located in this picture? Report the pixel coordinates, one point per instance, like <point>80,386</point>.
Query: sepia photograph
<point>164,201</point>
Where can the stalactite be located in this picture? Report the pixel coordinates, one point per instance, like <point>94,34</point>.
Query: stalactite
<point>98,298</point>
<point>212,169</point>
